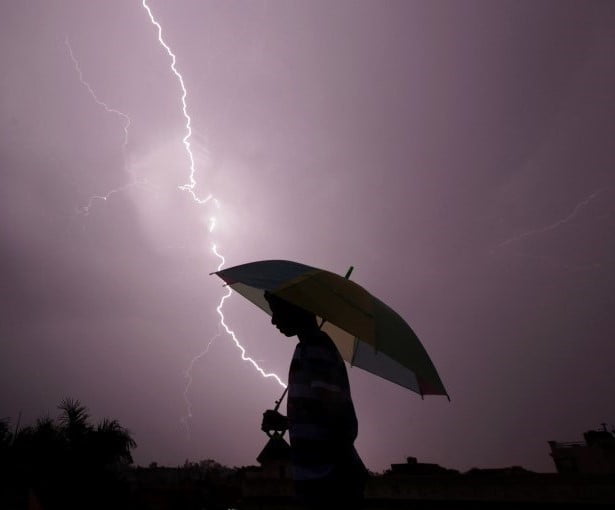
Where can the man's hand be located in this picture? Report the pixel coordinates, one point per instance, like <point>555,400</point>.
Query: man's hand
<point>274,422</point>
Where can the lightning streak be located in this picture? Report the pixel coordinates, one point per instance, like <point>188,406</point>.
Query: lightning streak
<point>555,225</point>
<point>212,224</point>
<point>188,373</point>
<point>186,140</point>
<point>125,117</point>
<point>232,334</point>
<point>85,210</point>
<point>190,188</point>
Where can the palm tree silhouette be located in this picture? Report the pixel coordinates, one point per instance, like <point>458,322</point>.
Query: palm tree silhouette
<point>106,445</point>
<point>63,462</point>
<point>113,443</point>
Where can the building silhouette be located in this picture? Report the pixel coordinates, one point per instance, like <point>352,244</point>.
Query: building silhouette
<point>590,482</point>
<point>594,456</point>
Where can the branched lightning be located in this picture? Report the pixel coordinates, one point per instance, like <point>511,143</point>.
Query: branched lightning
<point>575,211</point>
<point>188,374</point>
<point>232,334</point>
<point>85,210</point>
<point>190,188</point>
<point>125,117</point>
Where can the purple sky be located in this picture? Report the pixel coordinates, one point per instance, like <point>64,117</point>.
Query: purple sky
<point>459,154</point>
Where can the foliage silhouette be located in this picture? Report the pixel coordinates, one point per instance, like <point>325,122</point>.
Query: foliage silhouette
<point>66,463</point>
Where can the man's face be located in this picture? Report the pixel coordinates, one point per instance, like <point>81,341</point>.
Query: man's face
<point>288,318</point>
<point>284,320</point>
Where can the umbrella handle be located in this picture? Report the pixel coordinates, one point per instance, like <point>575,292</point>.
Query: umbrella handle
<point>279,401</point>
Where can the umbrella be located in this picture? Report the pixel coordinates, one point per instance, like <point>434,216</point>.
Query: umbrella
<point>367,332</point>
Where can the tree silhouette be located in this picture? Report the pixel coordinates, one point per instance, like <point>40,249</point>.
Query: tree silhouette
<point>64,463</point>
<point>74,417</point>
<point>112,443</point>
<point>5,437</point>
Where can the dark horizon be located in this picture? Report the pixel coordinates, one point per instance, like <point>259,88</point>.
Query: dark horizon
<point>74,415</point>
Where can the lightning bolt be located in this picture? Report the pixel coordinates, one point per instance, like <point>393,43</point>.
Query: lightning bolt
<point>186,140</point>
<point>190,188</point>
<point>120,114</point>
<point>85,210</point>
<point>232,334</point>
<point>188,375</point>
<point>573,214</point>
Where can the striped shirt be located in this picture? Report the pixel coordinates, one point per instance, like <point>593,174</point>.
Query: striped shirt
<point>321,416</point>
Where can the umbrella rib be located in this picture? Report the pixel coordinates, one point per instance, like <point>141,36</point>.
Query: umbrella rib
<point>354,351</point>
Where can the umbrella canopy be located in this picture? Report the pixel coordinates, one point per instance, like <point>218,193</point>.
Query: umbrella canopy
<point>367,333</point>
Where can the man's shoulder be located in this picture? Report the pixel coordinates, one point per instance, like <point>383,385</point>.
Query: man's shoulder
<point>321,349</point>
<point>319,340</point>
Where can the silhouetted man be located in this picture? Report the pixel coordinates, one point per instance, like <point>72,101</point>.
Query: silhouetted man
<point>321,419</point>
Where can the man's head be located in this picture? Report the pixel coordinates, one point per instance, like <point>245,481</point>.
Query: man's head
<point>288,318</point>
